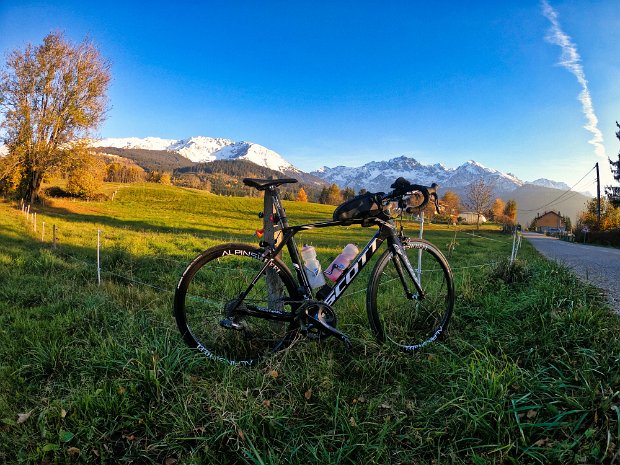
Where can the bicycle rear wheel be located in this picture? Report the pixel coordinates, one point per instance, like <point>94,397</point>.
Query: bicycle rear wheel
<point>410,322</point>
<point>208,312</point>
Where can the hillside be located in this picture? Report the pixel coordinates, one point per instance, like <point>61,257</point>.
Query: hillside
<point>150,160</point>
<point>233,161</point>
<point>533,200</point>
<point>219,176</point>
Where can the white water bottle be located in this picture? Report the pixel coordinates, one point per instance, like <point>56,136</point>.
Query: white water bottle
<point>342,262</point>
<point>312,267</point>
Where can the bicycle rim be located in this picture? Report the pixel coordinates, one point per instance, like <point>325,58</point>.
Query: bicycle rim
<point>212,284</point>
<point>411,323</point>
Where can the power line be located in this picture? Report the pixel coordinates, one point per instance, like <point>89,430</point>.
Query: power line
<point>561,195</point>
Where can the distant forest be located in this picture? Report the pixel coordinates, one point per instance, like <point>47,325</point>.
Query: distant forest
<point>150,160</point>
<point>223,177</point>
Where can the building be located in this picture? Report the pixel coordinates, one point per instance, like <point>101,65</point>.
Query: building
<point>549,222</point>
<point>471,218</point>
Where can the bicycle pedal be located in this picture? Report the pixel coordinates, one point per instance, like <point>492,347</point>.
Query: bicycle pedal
<point>230,324</point>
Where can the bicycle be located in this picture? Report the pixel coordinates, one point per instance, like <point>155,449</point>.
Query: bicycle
<point>236,303</point>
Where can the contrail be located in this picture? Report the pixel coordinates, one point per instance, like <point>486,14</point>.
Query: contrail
<point>570,60</point>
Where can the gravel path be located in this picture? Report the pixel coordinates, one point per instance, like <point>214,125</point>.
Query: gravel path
<point>599,265</point>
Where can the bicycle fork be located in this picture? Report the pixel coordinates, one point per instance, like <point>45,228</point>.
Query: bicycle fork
<point>400,258</point>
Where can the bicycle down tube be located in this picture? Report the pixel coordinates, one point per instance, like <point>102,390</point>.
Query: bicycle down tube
<point>350,273</point>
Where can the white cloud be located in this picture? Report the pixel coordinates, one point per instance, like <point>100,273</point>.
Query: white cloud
<point>571,60</point>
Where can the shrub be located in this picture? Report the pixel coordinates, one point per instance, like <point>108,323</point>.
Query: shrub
<point>516,272</point>
<point>86,178</point>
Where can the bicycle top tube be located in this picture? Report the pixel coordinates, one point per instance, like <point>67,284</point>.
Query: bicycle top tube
<point>383,220</point>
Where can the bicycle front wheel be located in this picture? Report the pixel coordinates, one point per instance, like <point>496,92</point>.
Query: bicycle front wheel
<point>397,312</point>
<point>212,317</point>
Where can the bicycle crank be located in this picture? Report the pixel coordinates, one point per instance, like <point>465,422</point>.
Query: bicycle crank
<point>321,322</point>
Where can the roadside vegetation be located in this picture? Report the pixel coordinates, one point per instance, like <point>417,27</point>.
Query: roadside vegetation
<point>98,373</point>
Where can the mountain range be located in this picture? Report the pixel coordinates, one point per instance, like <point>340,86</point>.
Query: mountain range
<point>533,197</point>
<point>379,175</point>
<point>205,149</point>
<point>373,176</point>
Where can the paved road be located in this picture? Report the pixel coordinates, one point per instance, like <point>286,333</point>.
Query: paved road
<point>599,265</point>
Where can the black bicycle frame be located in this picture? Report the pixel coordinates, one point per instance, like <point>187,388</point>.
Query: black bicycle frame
<point>386,231</point>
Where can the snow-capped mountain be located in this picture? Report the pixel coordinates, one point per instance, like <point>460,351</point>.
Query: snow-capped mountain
<point>204,149</point>
<point>552,184</point>
<point>378,176</point>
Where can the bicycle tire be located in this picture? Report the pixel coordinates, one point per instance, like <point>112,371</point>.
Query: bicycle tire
<point>216,278</point>
<point>410,324</point>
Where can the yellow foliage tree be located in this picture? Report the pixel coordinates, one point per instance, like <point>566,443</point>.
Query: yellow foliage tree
<point>451,202</point>
<point>510,212</point>
<point>86,176</point>
<point>334,196</point>
<point>302,196</point>
<point>498,209</point>
<point>165,178</point>
<point>51,96</point>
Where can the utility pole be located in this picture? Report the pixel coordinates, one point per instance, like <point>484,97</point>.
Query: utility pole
<point>598,196</point>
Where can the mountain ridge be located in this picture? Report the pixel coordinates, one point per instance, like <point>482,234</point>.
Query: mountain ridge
<point>375,175</point>
<point>201,149</point>
<point>378,176</point>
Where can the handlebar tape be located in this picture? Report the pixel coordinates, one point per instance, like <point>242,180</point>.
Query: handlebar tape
<point>403,187</point>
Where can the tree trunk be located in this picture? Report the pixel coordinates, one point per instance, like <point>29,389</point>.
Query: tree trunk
<point>35,186</point>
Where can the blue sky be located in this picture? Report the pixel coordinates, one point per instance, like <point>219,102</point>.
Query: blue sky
<point>344,83</point>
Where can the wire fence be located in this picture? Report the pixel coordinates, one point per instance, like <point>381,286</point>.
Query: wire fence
<point>96,264</point>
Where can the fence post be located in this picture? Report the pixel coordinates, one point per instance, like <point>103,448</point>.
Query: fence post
<point>514,243</point>
<point>35,221</point>
<point>43,232</point>
<point>98,257</point>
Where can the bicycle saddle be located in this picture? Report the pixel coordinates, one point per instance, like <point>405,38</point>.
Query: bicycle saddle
<point>263,184</point>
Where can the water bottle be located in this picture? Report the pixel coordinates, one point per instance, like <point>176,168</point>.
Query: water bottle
<point>312,267</point>
<point>341,263</point>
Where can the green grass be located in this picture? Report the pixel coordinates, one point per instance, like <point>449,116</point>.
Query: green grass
<point>529,372</point>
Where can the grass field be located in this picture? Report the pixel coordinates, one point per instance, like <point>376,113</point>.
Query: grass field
<point>529,371</point>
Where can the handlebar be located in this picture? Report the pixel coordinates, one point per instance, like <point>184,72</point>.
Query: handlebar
<point>403,187</point>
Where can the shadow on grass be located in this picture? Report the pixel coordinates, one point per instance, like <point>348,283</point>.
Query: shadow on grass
<point>135,225</point>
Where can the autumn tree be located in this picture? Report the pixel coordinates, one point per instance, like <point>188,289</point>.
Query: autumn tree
<point>610,216</point>
<point>118,172</point>
<point>334,197</point>
<point>478,198</point>
<point>301,195</point>
<point>51,97</point>
<point>497,210</point>
<point>510,212</point>
<point>165,178</point>
<point>451,202</point>
<point>86,175</point>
